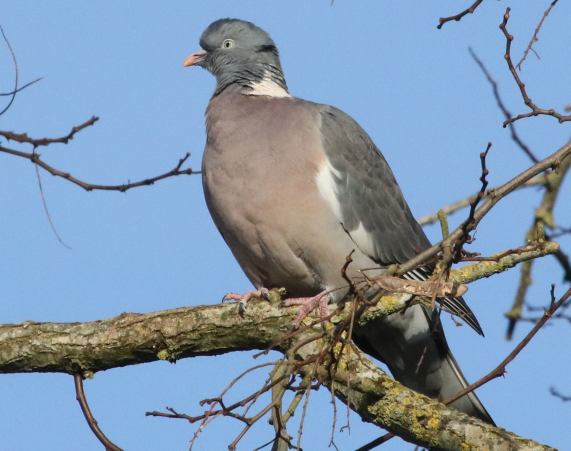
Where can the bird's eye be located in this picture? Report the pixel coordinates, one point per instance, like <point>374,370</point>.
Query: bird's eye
<point>228,43</point>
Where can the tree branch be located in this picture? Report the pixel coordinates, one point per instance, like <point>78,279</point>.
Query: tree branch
<point>133,338</point>
<point>414,417</point>
<point>91,421</point>
<point>535,110</point>
<point>209,330</point>
<point>501,105</point>
<point>35,158</point>
<point>36,142</point>
<point>543,218</point>
<point>493,197</point>
<point>463,203</point>
<point>534,38</point>
<point>187,332</point>
<point>460,15</point>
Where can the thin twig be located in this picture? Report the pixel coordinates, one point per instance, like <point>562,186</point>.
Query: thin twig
<point>377,442</point>
<point>36,159</point>
<point>21,88</point>
<point>91,421</point>
<point>542,219</point>
<point>302,419</point>
<point>47,211</point>
<point>463,203</point>
<point>557,394</point>
<point>250,423</point>
<point>534,38</point>
<point>460,15</point>
<point>492,199</point>
<point>37,142</point>
<point>507,114</point>
<point>16,72</point>
<point>514,314</point>
<point>470,223</point>
<point>565,264</point>
<point>559,231</point>
<point>501,368</point>
<point>535,110</point>
<point>282,438</point>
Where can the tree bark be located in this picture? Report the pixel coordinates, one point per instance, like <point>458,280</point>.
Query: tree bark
<point>209,330</point>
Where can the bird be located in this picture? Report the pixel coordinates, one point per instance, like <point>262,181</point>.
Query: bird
<point>295,186</point>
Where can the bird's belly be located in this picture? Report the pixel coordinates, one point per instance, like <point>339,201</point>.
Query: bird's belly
<point>248,213</point>
<point>282,232</point>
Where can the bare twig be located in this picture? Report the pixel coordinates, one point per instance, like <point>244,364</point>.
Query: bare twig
<point>543,218</point>
<point>282,439</point>
<point>444,226</point>
<point>303,414</point>
<point>557,394</point>
<point>91,421</point>
<point>530,247</point>
<point>559,231</point>
<point>47,211</point>
<point>507,114</point>
<point>470,223</point>
<point>565,264</point>
<point>460,15</point>
<point>514,314</point>
<point>16,72</point>
<point>492,199</point>
<point>36,159</point>
<point>24,138</point>
<point>561,313</point>
<point>501,368</point>
<point>277,380</point>
<point>377,442</point>
<point>37,142</point>
<point>535,110</point>
<point>462,203</point>
<point>21,88</point>
<point>534,38</point>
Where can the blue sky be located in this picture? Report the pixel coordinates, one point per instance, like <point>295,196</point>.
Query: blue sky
<point>414,88</point>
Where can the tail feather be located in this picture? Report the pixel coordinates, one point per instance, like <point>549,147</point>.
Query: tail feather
<point>470,402</point>
<point>413,346</point>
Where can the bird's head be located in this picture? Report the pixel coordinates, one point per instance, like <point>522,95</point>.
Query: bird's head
<point>241,54</point>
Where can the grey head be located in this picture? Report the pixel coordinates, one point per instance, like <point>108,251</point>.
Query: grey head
<point>241,56</point>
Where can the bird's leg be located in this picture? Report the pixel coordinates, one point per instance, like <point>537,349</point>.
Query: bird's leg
<point>308,305</point>
<point>243,299</point>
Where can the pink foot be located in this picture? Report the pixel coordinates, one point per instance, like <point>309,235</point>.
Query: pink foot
<point>308,305</point>
<point>244,298</point>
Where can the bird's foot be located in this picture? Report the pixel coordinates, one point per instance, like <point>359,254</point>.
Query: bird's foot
<point>243,299</point>
<point>308,305</point>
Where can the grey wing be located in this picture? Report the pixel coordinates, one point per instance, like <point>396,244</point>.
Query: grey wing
<point>371,206</point>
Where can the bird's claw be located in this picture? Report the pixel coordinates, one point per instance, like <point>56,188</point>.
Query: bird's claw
<point>243,299</point>
<point>308,305</point>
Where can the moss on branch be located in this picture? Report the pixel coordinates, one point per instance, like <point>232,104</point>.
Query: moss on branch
<point>209,330</point>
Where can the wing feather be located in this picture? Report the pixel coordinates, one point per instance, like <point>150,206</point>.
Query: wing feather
<point>368,202</point>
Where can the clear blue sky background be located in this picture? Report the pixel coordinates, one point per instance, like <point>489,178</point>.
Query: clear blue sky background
<point>413,87</point>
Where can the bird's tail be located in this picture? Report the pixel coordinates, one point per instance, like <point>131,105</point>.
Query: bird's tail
<point>413,346</point>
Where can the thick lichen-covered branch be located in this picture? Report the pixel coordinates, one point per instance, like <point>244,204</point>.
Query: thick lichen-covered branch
<point>208,330</point>
<point>134,338</point>
<point>414,417</point>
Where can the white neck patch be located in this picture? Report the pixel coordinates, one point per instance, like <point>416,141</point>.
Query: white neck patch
<point>267,87</point>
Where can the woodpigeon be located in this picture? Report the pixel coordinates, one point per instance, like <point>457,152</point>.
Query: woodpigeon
<point>295,186</point>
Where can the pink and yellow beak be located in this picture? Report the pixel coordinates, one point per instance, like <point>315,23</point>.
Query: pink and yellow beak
<point>195,59</point>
